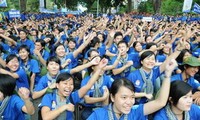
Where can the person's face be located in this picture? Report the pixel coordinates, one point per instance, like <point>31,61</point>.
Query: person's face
<point>93,54</point>
<point>22,35</point>
<point>149,62</point>
<point>60,51</point>
<point>185,102</point>
<point>100,36</point>
<point>123,100</point>
<point>53,68</point>
<point>123,48</point>
<point>38,46</point>
<point>33,33</point>
<point>13,64</point>
<point>118,38</point>
<point>1,96</point>
<point>71,45</point>
<point>149,39</point>
<point>191,71</point>
<point>23,54</point>
<point>166,49</point>
<point>65,87</point>
<point>138,47</point>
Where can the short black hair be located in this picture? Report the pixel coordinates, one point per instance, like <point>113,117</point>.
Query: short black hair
<point>178,89</point>
<point>121,82</point>
<point>7,84</point>
<point>63,77</point>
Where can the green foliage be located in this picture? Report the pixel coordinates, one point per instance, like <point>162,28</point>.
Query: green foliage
<point>171,7</point>
<point>146,7</point>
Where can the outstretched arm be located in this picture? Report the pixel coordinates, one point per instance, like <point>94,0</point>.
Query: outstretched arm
<point>161,101</point>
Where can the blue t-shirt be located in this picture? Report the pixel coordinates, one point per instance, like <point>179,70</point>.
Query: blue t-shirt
<point>121,63</point>
<point>194,113</point>
<point>191,81</point>
<point>32,67</point>
<point>22,81</point>
<point>107,81</point>
<point>136,78</point>
<point>13,110</point>
<point>49,100</point>
<point>113,48</point>
<point>136,113</point>
<point>29,43</point>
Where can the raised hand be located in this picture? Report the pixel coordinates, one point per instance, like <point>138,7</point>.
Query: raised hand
<point>103,63</point>
<point>170,66</point>
<point>24,93</point>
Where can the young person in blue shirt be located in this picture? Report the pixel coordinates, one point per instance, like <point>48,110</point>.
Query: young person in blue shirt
<point>124,67</point>
<point>123,98</point>
<point>189,68</point>
<point>31,66</point>
<point>135,53</point>
<point>180,105</point>
<point>98,95</point>
<point>13,69</point>
<point>49,80</point>
<point>71,57</point>
<point>144,78</point>
<point>24,41</point>
<point>13,107</point>
<point>60,103</point>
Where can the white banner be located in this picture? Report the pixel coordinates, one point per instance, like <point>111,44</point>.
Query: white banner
<point>3,3</point>
<point>41,3</point>
<point>187,5</point>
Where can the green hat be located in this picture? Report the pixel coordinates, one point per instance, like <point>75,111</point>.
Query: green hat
<point>192,61</point>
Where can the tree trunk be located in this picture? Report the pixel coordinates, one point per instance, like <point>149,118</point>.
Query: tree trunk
<point>23,5</point>
<point>157,6</point>
<point>129,5</point>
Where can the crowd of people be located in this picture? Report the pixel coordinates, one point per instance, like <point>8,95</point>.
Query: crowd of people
<point>117,67</point>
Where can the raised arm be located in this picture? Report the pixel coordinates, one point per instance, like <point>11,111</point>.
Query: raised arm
<point>83,90</point>
<point>161,100</point>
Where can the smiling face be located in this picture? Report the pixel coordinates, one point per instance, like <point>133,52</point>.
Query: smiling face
<point>23,54</point>
<point>65,87</point>
<point>123,100</point>
<point>13,64</point>
<point>191,71</point>
<point>60,51</point>
<point>148,62</point>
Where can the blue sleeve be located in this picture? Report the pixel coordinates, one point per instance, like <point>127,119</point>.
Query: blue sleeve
<point>47,101</point>
<point>34,66</point>
<point>75,97</point>
<point>42,84</point>
<point>93,116</point>
<point>137,112</point>
<point>194,112</point>
<point>19,103</point>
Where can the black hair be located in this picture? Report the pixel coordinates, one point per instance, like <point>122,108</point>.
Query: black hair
<point>7,84</point>
<point>26,48</point>
<point>42,42</point>
<point>63,77</point>
<point>121,82</point>
<point>146,37</point>
<point>179,59</point>
<point>55,47</point>
<point>53,59</point>
<point>94,41</point>
<point>10,57</point>
<point>122,42</point>
<point>149,45</point>
<point>178,89</point>
<point>146,54</point>
<point>118,34</point>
